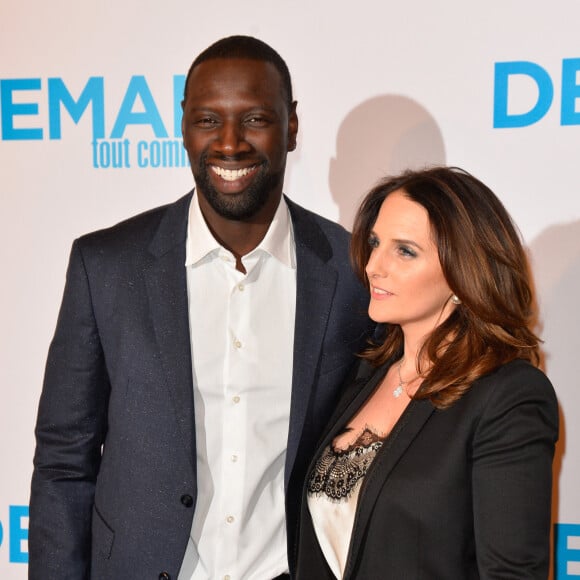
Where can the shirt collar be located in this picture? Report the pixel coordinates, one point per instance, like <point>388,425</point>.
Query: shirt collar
<point>278,241</point>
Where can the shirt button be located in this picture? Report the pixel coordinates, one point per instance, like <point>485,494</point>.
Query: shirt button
<point>187,500</point>
<point>234,458</point>
<point>237,343</point>
<point>230,519</point>
<point>236,399</point>
<point>227,577</point>
<point>241,287</point>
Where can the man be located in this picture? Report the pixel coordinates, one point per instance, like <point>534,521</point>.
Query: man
<point>197,355</point>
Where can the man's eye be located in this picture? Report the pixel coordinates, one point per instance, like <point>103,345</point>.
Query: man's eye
<point>205,122</point>
<point>257,121</point>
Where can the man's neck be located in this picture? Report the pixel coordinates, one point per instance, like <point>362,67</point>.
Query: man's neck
<point>239,236</point>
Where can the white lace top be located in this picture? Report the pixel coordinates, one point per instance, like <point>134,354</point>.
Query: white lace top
<point>333,489</point>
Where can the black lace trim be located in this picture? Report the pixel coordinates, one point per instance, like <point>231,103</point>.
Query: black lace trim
<point>336,473</point>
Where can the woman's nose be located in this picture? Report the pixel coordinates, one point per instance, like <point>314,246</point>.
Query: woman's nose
<point>376,266</point>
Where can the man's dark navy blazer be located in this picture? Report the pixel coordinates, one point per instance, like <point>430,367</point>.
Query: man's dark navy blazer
<point>114,485</point>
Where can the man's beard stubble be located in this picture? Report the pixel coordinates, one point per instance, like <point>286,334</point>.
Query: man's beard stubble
<point>243,205</point>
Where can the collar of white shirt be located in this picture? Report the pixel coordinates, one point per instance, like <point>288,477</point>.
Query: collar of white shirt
<point>278,241</point>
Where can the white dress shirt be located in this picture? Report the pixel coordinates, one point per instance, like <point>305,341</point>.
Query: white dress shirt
<point>242,341</point>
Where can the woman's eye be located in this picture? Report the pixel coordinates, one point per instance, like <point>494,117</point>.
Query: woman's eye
<point>407,251</point>
<point>373,241</point>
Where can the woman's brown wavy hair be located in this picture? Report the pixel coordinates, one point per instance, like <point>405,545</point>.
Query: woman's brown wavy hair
<point>484,264</point>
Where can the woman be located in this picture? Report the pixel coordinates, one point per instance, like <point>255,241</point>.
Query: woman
<point>437,460</point>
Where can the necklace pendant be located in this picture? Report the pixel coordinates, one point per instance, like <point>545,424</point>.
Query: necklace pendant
<point>397,392</point>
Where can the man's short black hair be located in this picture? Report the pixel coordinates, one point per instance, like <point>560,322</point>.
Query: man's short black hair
<point>245,47</point>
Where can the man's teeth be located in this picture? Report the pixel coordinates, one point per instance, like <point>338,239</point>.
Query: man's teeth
<point>231,174</point>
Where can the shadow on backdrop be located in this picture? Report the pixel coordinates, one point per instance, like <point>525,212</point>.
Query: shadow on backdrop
<point>555,258</point>
<point>381,136</point>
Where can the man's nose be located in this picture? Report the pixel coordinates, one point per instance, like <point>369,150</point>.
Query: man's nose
<point>231,139</point>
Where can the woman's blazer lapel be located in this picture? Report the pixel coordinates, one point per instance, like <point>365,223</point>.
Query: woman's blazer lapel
<point>409,425</point>
<point>356,391</point>
<point>407,428</point>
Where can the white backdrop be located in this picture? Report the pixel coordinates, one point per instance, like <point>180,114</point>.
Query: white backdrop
<point>381,86</point>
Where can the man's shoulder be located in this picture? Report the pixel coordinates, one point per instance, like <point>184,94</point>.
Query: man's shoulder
<point>140,227</point>
<point>305,219</point>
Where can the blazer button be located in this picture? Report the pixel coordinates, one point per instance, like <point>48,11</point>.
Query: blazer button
<point>187,501</point>
<point>164,576</point>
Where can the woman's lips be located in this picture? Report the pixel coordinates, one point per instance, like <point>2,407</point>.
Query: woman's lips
<point>380,292</point>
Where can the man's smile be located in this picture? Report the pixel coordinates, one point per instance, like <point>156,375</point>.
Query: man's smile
<point>232,174</point>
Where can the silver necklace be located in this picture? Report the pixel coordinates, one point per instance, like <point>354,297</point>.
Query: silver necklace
<point>398,390</point>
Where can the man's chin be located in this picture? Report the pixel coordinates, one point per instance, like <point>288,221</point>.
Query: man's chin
<point>237,207</point>
<point>237,204</point>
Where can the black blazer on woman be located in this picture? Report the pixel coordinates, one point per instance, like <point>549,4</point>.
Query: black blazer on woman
<point>454,494</point>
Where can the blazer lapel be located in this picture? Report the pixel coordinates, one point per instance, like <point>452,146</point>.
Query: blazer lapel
<point>355,393</point>
<point>315,286</point>
<point>409,425</point>
<point>167,291</point>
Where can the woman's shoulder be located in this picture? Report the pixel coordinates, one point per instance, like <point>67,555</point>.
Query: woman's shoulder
<point>514,389</point>
<point>519,376</point>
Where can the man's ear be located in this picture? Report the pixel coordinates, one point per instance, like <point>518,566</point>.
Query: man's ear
<point>183,119</point>
<point>292,126</point>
